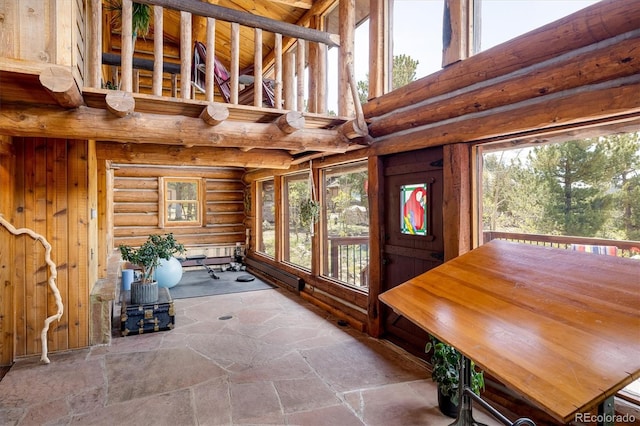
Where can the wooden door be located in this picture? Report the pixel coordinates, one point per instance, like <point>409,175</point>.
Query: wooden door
<point>413,241</point>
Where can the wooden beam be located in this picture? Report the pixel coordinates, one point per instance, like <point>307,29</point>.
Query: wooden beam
<point>353,130</point>
<point>98,124</point>
<point>214,114</point>
<point>608,101</point>
<point>60,84</point>
<point>601,62</point>
<point>602,20</point>
<point>195,156</point>
<point>120,103</point>
<point>300,4</point>
<point>290,122</point>
<point>197,7</point>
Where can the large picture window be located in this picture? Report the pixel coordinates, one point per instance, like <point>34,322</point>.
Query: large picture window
<point>266,238</point>
<point>346,220</point>
<point>297,230</point>
<point>182,201</point>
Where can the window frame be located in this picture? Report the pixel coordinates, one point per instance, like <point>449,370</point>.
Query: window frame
<point>164,202</point>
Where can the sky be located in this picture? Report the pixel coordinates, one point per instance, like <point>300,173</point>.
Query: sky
<point>417,31</point>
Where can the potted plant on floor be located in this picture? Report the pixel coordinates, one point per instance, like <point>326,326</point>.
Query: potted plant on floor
<point>445,362</point>
<point>147,258</point>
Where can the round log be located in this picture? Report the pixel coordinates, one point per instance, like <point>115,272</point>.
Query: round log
<point>120,103</point>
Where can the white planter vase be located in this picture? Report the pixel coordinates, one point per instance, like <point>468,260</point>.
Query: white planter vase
<point>144,293</point>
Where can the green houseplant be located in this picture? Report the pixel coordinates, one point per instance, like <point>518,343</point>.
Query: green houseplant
<point>445,361</point>
<point>309,212</point>
<point>147,258</point>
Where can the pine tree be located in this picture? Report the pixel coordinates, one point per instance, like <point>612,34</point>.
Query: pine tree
<point>576,175</point>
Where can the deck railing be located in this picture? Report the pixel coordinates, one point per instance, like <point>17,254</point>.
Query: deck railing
<point>349,260</point>
<point>617,247</point>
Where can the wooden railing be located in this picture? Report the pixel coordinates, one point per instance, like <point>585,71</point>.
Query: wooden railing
<point>349,260</point>
<point>622,248</point>
<point>285,65</point>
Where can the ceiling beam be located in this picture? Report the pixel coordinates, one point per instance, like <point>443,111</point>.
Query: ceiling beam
<point>100,124</point>
<point>300,4</point>
<point>131,153</point>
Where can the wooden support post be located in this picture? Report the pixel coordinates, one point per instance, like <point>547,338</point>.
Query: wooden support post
<point>94,43</point>
<point>300,63</point>
<point>214,114</point>
<point>347,9</point>
<point>126,78</point>
<point>312,84</point>
<point>235,62</point>
<point>288,80</point>
<point>185,55</point>
<point>277,69</point>
<point>158,49</point>
<point>257,68</point>
<point>210,60</point>
<point>457,31</point>
<point>120,103</point>
<point>59,82</point>
<point>321,83</point>
<point>378,48</point>
<point>290,122</point>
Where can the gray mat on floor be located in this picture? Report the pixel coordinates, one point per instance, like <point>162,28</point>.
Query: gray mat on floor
<point>198,283</point>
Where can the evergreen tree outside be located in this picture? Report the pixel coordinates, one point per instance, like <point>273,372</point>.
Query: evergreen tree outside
<point>585,188</point>
<point>624,157</point>
<point>403,73</point>
<point>574,174</point>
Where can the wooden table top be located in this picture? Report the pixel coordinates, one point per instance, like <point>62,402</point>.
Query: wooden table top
<point>561,328</point>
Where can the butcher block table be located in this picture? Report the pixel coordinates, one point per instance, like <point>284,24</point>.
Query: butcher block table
<point>559,327</point>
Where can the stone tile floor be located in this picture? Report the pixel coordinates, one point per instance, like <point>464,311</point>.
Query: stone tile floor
<point>277,361</point>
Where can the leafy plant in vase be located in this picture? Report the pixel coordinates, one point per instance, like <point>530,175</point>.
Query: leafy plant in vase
<point>147,258</point>
<point>445,361</point>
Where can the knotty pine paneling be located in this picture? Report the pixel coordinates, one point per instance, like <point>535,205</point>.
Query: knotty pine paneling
<point>51,197</point>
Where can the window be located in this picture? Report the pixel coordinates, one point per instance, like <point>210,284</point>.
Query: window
<point>297,233</point>
<point>585,187</point>
<point>266,238</point>
<point>417,40</point>
<point>504,20</point>
<point>346,224</point>
<point>181,202</point>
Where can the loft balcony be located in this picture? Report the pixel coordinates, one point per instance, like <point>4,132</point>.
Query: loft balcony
<point>188,81</point>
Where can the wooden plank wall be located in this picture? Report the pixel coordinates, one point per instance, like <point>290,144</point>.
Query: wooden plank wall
<point>41,31</point>
<point>50,196</point>
<point>7,246</point>
<point>136,197</point>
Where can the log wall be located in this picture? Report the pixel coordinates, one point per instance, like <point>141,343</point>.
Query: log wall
<point>51,195</point>
<point>136,195</point>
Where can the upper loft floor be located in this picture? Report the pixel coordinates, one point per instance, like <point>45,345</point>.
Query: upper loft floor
<point>193,86</point>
